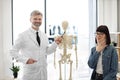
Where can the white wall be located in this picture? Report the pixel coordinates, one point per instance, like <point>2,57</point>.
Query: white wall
<point>107,14</point>
<point>5,39</point>
<point>118,15</point>
<point>1,43</point>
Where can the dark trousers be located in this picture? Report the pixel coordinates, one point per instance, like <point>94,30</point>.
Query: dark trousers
<point>98,76</point>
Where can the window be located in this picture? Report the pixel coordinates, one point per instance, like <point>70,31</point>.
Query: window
<point>21,14</point>
<point>78,19</point>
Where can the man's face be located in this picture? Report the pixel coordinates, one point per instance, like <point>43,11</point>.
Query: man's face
<point>36,20</point>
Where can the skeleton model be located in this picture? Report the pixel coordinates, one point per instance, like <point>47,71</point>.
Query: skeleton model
<point>64,45</point>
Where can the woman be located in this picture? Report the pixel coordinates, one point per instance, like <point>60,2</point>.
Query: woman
<point>103,58</point>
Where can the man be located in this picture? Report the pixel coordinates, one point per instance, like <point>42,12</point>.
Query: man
<point>31,48</point>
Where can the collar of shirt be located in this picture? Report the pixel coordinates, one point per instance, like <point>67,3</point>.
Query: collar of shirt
<point>34,31</point>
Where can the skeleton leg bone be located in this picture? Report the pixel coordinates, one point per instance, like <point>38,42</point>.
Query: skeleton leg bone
<point>70,77</point>
<point>60,78</point>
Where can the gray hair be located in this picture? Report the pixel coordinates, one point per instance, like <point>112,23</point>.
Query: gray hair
<point>36,12</point>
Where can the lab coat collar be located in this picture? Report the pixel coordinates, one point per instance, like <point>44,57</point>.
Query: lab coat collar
<point>32,35</point>
<point>34,31</point>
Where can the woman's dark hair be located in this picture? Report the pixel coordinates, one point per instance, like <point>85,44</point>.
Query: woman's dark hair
<point>104,29</point>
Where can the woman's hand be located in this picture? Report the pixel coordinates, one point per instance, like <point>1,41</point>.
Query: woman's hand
<point>101,44</point>
<point>99,48</point>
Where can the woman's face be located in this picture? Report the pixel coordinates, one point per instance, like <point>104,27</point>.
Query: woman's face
<point>100,37</point>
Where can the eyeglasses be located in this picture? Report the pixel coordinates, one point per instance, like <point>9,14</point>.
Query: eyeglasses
<point>99,33</point>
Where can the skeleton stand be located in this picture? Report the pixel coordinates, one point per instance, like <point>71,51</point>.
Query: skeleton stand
<point>65,58</point>
<point>66,43</point>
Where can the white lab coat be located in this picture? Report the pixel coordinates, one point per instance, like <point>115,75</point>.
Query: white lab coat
<point>26,47</point>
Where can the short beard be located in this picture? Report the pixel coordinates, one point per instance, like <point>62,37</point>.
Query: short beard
<point>37,24</point>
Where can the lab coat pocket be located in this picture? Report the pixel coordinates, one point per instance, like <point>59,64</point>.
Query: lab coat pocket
<point>30,68</point>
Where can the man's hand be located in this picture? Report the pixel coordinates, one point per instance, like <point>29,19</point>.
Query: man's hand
<point>31,61</point>
<point>58,40</point>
